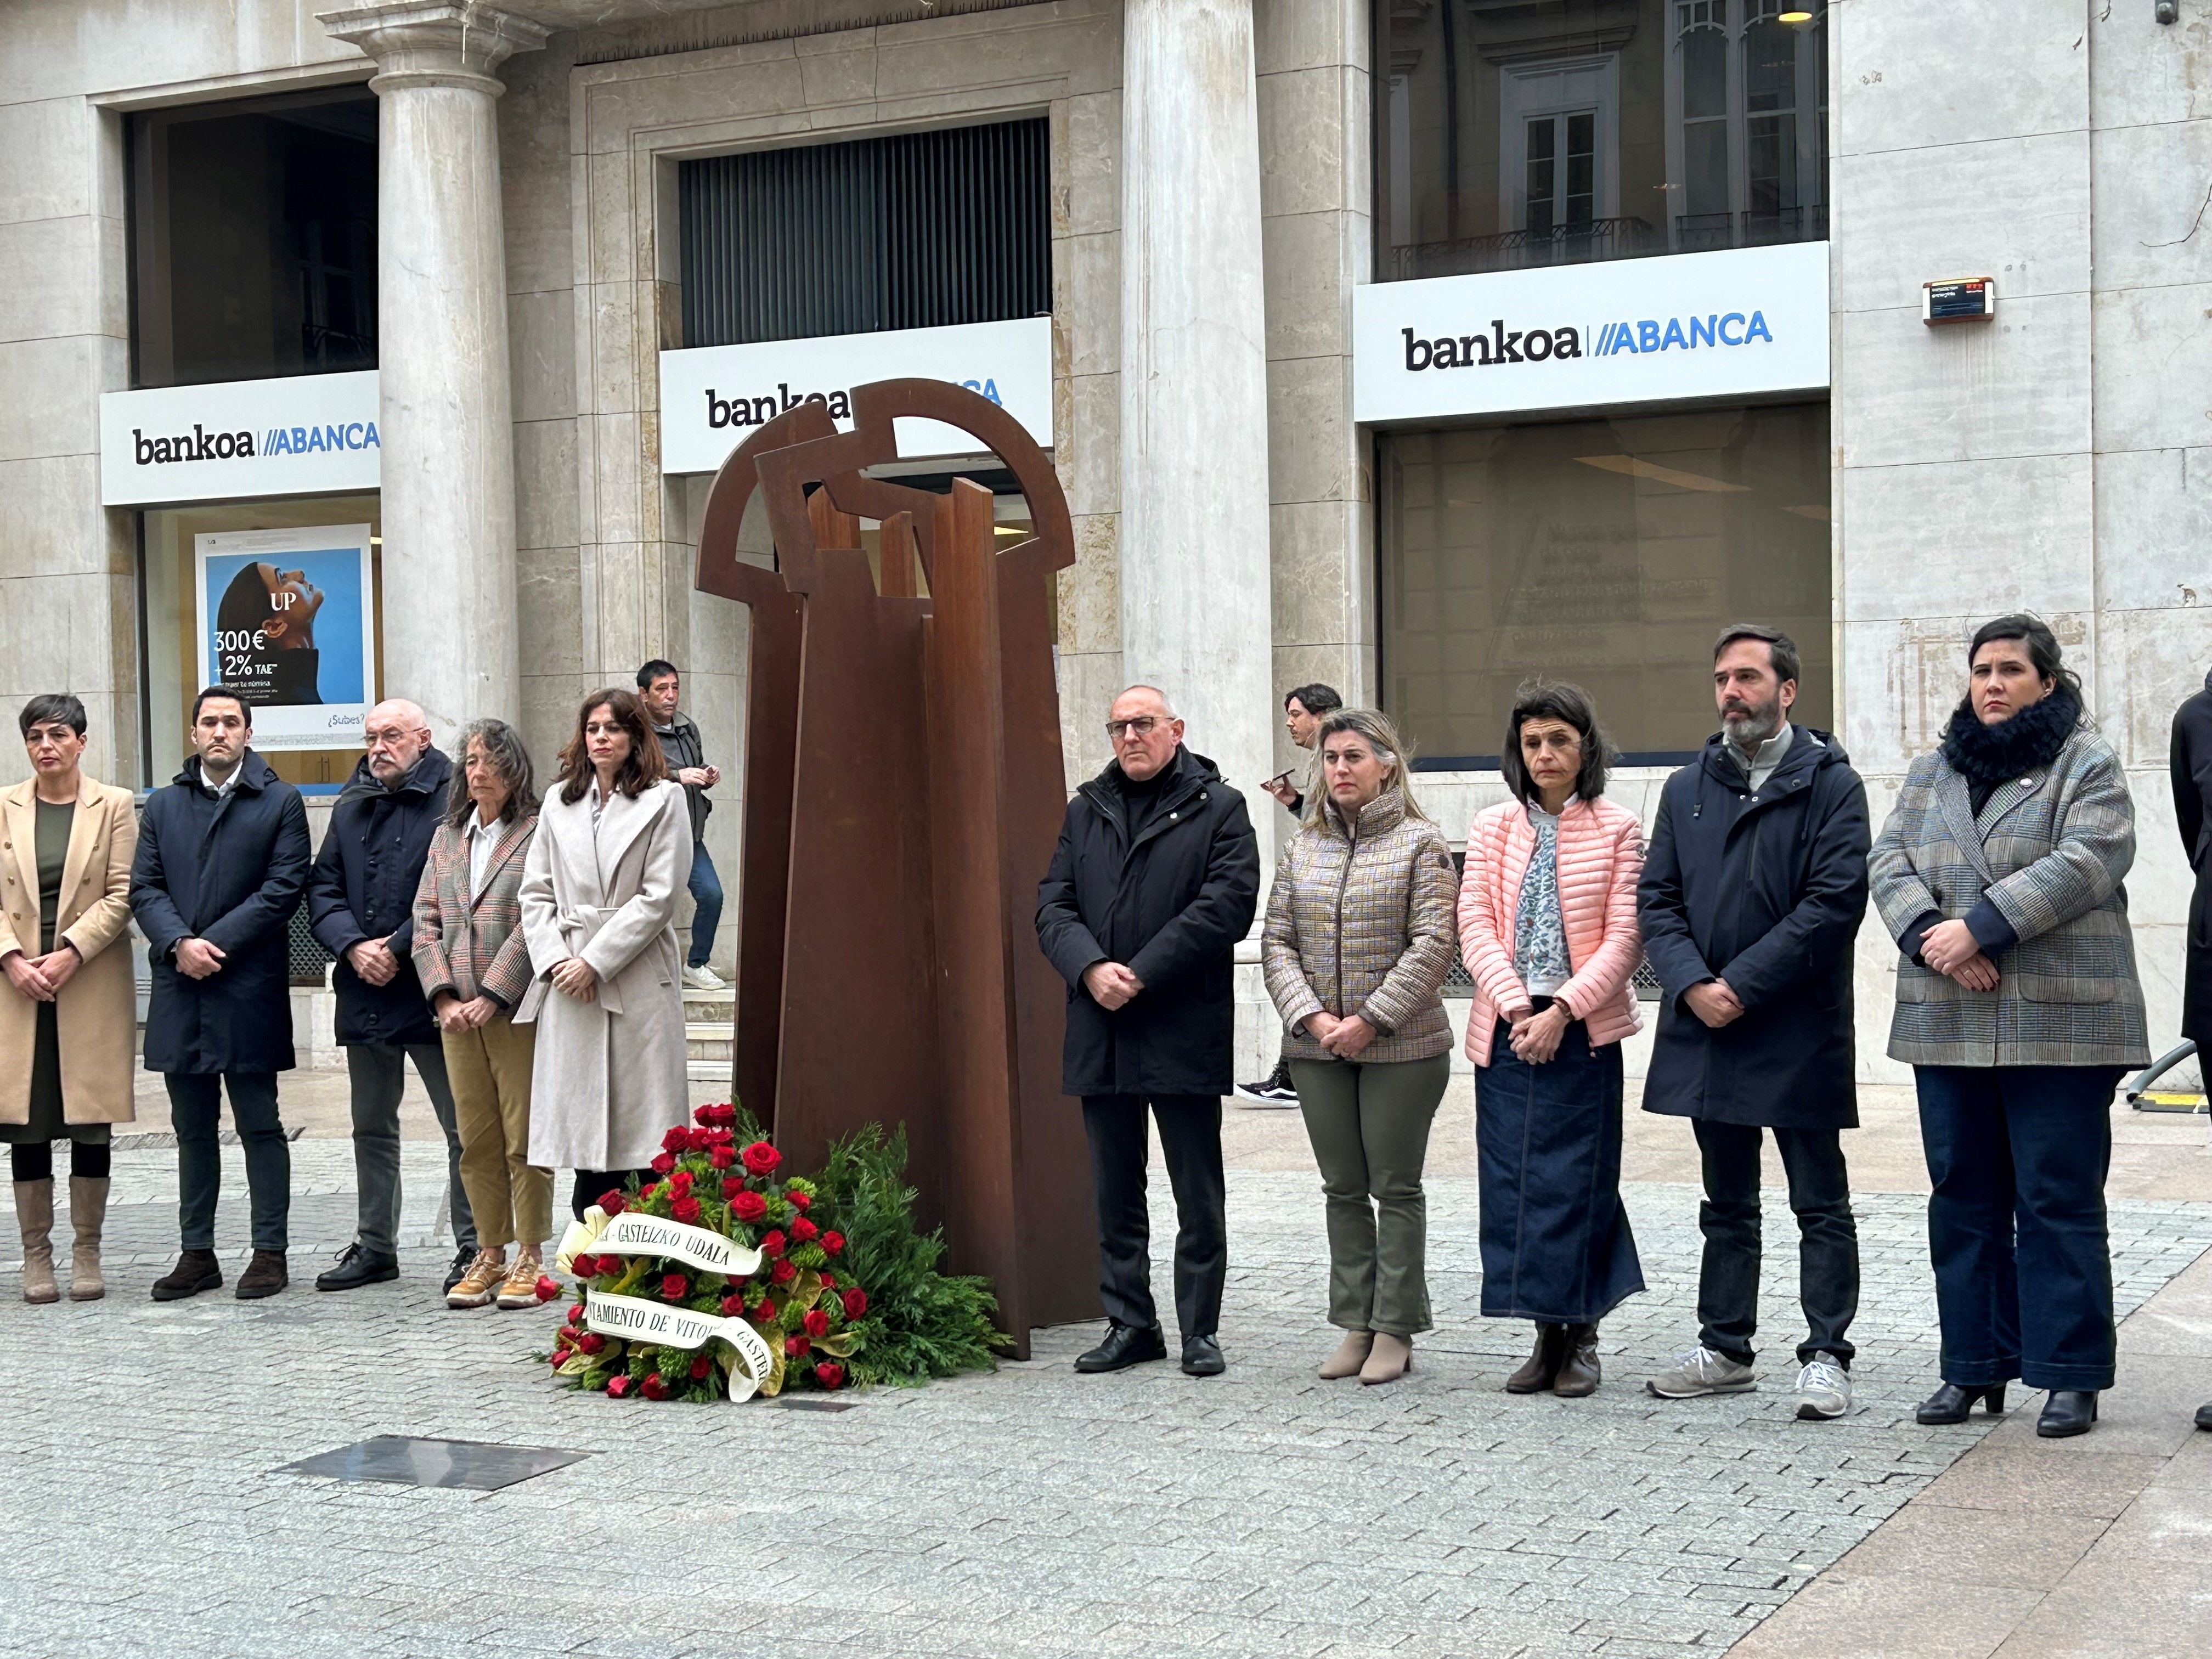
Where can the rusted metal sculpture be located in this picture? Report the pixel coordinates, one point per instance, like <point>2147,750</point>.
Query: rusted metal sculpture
<point>903,791</point>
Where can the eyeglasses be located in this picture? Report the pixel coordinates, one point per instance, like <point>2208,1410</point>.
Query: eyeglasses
<point>390,738</point>
<point>1141,727</point>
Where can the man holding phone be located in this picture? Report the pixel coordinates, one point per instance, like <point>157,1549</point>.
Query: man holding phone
<point>1302,714</point>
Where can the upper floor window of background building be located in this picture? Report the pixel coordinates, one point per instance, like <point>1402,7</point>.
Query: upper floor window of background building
<point>914,230</point>
<point>253,238</point>
<point>1513,133</point>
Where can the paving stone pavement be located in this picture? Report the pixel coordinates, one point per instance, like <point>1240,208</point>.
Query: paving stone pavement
<point>1033,1511</point>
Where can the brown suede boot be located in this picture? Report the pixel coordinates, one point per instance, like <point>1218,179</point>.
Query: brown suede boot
<point>89,1214</point>
<point>1578,1372</point>
<point>196,1271</point>
<point>1390,1358</point>
<point>1542,1366</point>
<point>34,1214</point>
<point>1350,1355</point>
<point>264,1276</point>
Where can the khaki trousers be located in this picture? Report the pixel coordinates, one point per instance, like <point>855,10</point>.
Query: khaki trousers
<point>489,1068</point>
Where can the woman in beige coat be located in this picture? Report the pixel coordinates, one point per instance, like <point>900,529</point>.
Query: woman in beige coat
<point>68,1017</point>
<point>611,854</point>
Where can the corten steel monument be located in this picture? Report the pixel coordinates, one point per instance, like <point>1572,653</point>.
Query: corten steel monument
<point>903,793</point>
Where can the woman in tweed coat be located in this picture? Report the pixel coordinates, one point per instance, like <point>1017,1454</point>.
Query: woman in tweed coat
<point>474,963</point>
<point>1548,928</point>
<point>2018,1006</point>
<point>1358,938</point>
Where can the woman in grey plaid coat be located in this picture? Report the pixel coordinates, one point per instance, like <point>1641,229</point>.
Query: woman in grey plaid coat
<point>2018,1006</point>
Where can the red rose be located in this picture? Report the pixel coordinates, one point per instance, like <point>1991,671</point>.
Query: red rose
<point>817,1323</point>
<point>746,1205</point>
<point>661,1166</point>
<point>762,1159</point>
<point>732,1185</point>
<point>699,1115</point>
<point>654,1388</point>
<point>673,1286</point>
<point>687,1208</point>
<point>722,1156</point>
<point>726,1137</point>
<point>833,1241</point>
<point>566,1337</point>
<point>799,1200</point>
<point>802,1229</point>
<point>699,1139</point>
<point>829,1280</point>
<point>576,1313</point>
<point>680,1182</point>
<point>548,1287</point>
<point>591,1342</point>
<point>764,1313</point>
<point>795,1345</point>
<point>733,1305</point>
<point>856,1303</point>
<point>613,1202</point>
<point>559,1360</point>
<point>591,1267</point>
<point>619,1387</point>
<point>783,1273</point>
<point>674,1140</point>
<point>701,1367</point>
<point>648,1189</point>
<point>830,1374</point>
<point>773,1241</point>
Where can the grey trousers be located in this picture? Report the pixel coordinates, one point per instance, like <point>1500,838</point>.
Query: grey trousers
<point>379,1077</point>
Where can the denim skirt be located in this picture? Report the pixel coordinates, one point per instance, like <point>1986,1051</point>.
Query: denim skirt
<point>1556,1245</point>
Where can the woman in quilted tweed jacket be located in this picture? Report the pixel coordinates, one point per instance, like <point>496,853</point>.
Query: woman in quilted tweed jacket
<point>1358,938</point>
<point>1547,928</point>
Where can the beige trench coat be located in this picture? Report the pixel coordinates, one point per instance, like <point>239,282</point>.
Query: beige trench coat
<point>609,1077</point>
<point>97,1011</point>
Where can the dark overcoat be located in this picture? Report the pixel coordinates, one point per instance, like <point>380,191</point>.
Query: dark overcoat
<point>2192,811</point>
<point>363,886</point>
<point>1170,905</point>
<point>228,871</point>
<point>1764,890</point>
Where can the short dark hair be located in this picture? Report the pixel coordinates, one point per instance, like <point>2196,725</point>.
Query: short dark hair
<point>236,695</point>
<point>643,767</point>
<point>1555,700</point>
<point>1781,649</point>
<point>52,706</point>
<point>1316,699</point>
<point>2043,651</point>
<point>659,668</point>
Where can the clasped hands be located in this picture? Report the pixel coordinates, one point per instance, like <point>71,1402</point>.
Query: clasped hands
<point>1536,1036</point>
<point>41,978</point>
<point>1951,949</point>
<point>1110,984</point>
<point>456,1015</point>
<point>575,977</point>
<point>1347,1039</point>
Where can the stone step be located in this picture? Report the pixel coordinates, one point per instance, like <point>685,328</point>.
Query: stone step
<point>709,1007</point>
<point>709,1071</point>
<point>709,1040</point>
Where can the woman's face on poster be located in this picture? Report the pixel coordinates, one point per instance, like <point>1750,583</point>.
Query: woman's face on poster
<point>293,602</point>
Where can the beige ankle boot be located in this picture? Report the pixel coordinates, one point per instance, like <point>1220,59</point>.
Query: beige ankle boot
<point>1393,1357</point>
<point>1351,1354</point>
<point>89,1214</point>
<point>35,1213</point>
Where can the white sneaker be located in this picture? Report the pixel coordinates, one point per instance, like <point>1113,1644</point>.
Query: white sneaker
<point>702,979</point>
<point>1823,1390</point>
<point>1702,1372</point>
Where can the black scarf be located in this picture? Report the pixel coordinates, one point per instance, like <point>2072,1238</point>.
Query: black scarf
<point>1987,756</point>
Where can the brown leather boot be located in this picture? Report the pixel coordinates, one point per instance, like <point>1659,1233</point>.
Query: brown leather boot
<point>34,1214</point>
<point>89,1214</point>
<point>1543,1362</point>
<point>1578,1371</point>
<point>264,1276</point>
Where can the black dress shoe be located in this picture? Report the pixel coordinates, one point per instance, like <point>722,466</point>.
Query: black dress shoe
<point>1201,1357</point>
<point>459,1270</point>
<point>1125,1345</point>
<point>2067,1413</point>
<point>1953,1401</point>
<point>2204,1417</point>
<point>358,1266</point>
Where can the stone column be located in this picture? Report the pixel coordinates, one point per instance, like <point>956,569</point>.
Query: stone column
<point>1195,604</point>
<point>449,443</point>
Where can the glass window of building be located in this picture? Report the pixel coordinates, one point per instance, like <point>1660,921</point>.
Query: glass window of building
<point>1512,133</point>
<point>253,238</point>
<point>1609,552</point>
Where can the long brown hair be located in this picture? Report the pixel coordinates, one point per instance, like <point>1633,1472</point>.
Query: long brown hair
<point>503,747</point>
<point>642,768</point>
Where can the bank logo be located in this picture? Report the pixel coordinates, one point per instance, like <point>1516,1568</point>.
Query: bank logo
<point>1730,328</point>
<point>740,410</point>
<point>201,444</point>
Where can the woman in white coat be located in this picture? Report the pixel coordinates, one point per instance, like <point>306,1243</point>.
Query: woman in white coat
<point>599,906</point>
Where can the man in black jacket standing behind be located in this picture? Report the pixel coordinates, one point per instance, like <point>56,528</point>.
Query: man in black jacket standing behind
<point>1155,879</point>
<point>361,903</point>
<point>1750,900</point>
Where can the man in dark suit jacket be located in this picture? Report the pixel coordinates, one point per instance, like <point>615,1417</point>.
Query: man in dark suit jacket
<point>222,854</point>
<point>1155,879</point>
<point>360,902</point>
<point>2192,761</point>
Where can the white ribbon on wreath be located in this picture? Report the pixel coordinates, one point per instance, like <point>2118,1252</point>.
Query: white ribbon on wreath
<point>633,1319</point>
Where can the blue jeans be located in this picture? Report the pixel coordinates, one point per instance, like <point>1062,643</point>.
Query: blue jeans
<point>707,895</point>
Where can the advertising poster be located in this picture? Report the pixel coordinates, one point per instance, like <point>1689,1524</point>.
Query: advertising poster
<point>285,616</point>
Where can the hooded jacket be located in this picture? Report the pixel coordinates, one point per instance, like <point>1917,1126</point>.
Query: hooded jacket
<point>1170,903</point>
<point>1764,888</point>
<point>364,887</point>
